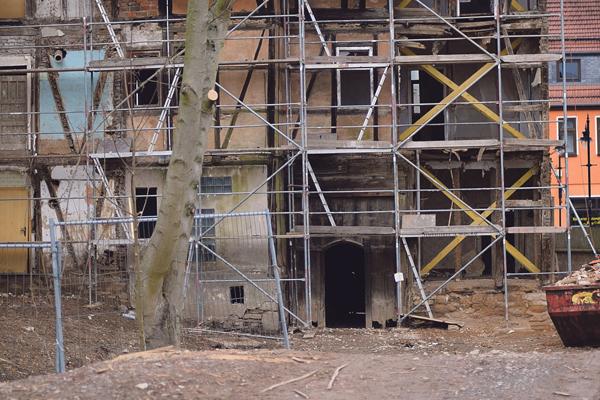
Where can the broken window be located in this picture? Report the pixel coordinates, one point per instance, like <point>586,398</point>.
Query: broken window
<point>571,141</point>
<point>572,68</point>
<point>354,86</point>
<point>146,205</point>
<point>12,9</point>
<point>145,82</point>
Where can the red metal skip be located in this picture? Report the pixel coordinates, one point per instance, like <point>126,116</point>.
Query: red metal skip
<point>575,311</point>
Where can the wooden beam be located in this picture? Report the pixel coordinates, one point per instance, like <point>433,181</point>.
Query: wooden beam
<point>456,145</point>
<point>536,229</point>
<point>485,214</point>
<point>443,59</point>
<point>347,230</point>
<point>451,230</point>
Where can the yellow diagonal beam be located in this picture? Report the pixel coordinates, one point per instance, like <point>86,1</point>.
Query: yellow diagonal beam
<point>479,220</point>
<point>404,4</point>
<point>514,4</point>
<point>447,100</point>
<point>485,214</point>
<point>466,96</point>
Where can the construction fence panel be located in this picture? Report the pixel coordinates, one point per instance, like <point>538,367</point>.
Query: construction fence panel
<point>232,283</point>
<point>93,280</point>
<point>27,315</point>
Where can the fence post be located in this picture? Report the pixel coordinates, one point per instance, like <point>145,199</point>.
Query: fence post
<point>60,348</point>
<point>277,282</point>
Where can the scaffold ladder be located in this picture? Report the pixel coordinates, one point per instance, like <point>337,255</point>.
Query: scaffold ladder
<point>111,31</point>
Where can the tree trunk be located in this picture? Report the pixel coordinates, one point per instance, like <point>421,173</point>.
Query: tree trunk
<point>163,263</point>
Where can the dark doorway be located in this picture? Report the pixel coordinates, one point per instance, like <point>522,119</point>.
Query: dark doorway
<point>345,286</point>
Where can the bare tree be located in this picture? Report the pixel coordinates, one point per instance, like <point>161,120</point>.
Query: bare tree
<point>160,284</point>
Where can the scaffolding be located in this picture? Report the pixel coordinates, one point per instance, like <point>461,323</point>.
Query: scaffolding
<point>382,136</point>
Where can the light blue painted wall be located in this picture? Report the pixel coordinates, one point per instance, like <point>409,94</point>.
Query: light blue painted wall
<point>72,87</point>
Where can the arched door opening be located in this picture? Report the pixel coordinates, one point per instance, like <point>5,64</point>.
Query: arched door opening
<point>345,286</point>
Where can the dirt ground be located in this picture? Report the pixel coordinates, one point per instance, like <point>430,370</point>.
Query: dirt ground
<point>483,360</point>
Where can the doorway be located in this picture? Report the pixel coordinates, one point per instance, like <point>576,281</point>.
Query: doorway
<point>426,93</point>
<point>14,212</point>
<point>345,286</point>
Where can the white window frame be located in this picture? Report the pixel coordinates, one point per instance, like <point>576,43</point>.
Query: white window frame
<point>575,151</point>
<point>338,52</point>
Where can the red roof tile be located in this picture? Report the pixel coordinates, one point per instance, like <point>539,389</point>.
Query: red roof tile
<point>582,25</point>
<point>577,94</point>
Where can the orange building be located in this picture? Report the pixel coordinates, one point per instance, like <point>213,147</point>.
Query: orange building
<point>582,75</point>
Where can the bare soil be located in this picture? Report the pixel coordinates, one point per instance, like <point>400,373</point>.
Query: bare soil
<point>486,359</point>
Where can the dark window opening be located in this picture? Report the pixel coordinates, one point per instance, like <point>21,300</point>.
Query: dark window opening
<point>236,294</point>
<point>426,92</point>
<point>475,6</point>
<point>146,205</point>
<point>355,86</point>
<point>146,86</point>
<point>573,68</point>
<point>215,184</point>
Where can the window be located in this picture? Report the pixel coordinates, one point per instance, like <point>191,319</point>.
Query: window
<point>14,100</point>
<point>571,144</point>
<point>474,7</point>
<point>573,68</point>
<point>236,294</point>
<point>206,236</point>
<point>12,9</point>
<point>597,135</point>
<point>146,205</point>
<point>354,86</point>
<point>581,206</point>
<point>215,184</point>
<point>146,93</point>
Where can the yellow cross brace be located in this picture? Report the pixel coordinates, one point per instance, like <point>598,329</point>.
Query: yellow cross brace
<point>514,4</point>
<point>479,107</point>
<point>445,81</point>
<point>406,2</point>
<point>447,100</point>
<point>479,221</point>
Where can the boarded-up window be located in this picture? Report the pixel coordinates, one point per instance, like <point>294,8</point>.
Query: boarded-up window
<point>12,9</point>
<point>13,112</point>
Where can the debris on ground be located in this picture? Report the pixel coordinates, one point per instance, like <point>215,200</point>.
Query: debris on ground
<point>587,275</point>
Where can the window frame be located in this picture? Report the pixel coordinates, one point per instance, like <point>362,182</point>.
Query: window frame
<point>339,71</point>
<point>134,82</point>
<point>575,152</point>
<point>597,119</point>
<point>574,61</point>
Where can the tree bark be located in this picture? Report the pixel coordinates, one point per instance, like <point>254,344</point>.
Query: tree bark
<point>164,261</point>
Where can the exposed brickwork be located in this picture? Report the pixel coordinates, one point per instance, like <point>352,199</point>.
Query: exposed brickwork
<point>138,9</point>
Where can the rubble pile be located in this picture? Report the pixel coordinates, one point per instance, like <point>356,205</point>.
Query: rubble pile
<point>589,274</point>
